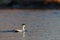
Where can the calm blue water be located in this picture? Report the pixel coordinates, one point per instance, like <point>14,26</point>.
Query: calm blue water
<point>41,25</point>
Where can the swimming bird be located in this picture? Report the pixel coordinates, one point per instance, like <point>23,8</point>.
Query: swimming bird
<point>22,30</point>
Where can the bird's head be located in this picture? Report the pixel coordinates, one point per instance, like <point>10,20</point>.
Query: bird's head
<point>24,25</point>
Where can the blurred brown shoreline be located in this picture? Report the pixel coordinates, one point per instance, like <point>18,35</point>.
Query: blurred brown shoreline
<point>32,9</point>
<point>23,10</point>
<point>30,4</point>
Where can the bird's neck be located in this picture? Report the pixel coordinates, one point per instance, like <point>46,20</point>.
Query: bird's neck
<point>23,28</point>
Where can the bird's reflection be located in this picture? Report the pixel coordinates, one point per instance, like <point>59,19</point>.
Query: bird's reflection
<point>24,36</point>
<point>27,32</point>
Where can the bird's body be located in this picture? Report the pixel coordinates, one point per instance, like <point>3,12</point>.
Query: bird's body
<point>22,30</point>
<point>17,30</point>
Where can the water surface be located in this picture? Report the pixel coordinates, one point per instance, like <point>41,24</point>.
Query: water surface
<point>41,25</point>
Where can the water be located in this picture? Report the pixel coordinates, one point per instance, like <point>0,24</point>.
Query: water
<point>41,25</point>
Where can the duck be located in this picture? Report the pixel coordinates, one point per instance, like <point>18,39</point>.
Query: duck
<point>22,30</point>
